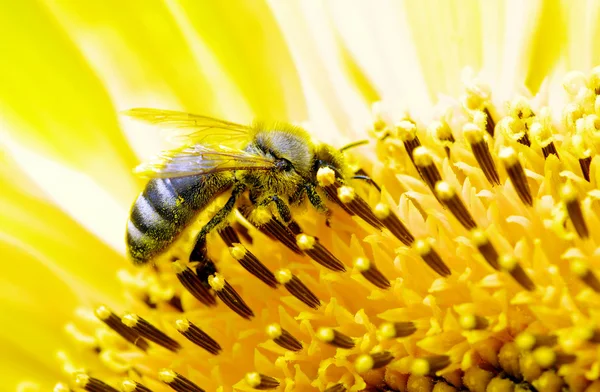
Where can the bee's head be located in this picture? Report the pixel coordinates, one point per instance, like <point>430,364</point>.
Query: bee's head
<point>290,147</point>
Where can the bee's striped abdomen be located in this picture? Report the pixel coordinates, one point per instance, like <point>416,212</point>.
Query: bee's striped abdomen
<point>165,208</point>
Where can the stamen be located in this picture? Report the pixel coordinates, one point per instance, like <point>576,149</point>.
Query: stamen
<point>149,331</point>
<point>472,322</point>
<point>371,273</point>
<point>511,265</point>
<point>91,384</point>
<point>336,388</point>
<point>583,153</point>
<point>515,129</point>
<point>367,362</point>
<point>396,330</point>
<point>527,341</point>
<point>423,160</point>
<point>520,108</point>
<point>547,357</point>
<point>313,248</point>
<point>260,381</point>
<point>569,196</point>
<point>407,132</point>
<point>587,333</point>
<point>115,323</point>
<point>274,229</point>
<point>197,336</point>
<point>515,172</point>
<point>133,386</point>
<point>474,135</point>
<point>283,337</point>
<point>580,268</point>
<point>431,257</point>
<point>334,338</point>
<point>229,296</point>
<point>246,258</point>
<point>60,387</point>
<point>297,288</point>
<point>442,132</point>
<point>357,205</point>
<point>485,247</point>
<point>429,365</point>
<point>193,284</point>
<point>543,137</point>
<point>325,176</point>
<point>393,224</point>
<point>177,382</point>
<point>453,202</point>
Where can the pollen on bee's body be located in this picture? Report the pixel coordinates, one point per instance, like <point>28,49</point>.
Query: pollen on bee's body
<point>334,338</point>
<point>177,382</point>
<point>150,332</point>
<point>229,296</point>
<point>325,176</point>
<point>114,322</point>
<point>128,385</point>
<point>260,381</point>
<point>283,338</point>
<point>195,335</point>
<point>91,384</point>
<point>192,283</point>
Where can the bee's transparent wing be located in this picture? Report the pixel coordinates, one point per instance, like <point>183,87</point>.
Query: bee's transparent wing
<point>187,129</point>
<point>199,159</point>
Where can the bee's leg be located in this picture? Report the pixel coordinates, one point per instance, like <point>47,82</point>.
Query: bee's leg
<point>199,251</point>
<point>282,208</point>
<point>316,200</point>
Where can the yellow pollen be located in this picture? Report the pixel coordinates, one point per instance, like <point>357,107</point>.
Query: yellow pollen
<point>544,356</point>
<point>182,325</point>
<point>128,386</point>
<point>422,157</point>
<point>440,130</point>
<point>420,367</point>
<point>253,379</point>
<point>541,134</point>
<point>472,101</point>
<point>525,341</point>
<point>178,266</point>
<point>81,380</point>
<point>568,193</point>
<point>407,130</point>
<point>325,334</point>
<point>444,190</point>
<point>237,251</point>
<point>60,387</point>
<point>473,133</point>
<point>305,242</point>
<point>381,211</point>
<point>508,262</point>
<point>580,148</point>
<point>520,108</point>
<point>386,331</point>
<point>216,281</point>
<point>479,238</point>
<point>167,375</point>
<point>362,264</point>
<point>364,363</point>
<point>130,319</point>
<point>273,331</point>
<point>283,275</point>
<point>422,247</point>
<point>468,321</point>
<point>325,176</point>
<point>346,194</point>
<point>260,215</point>
<point>508,156</point>
<point>102,312</point>
<point>579,267</point>
<point>583,333</point>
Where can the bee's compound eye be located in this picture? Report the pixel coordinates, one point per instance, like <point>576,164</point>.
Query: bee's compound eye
<point>284,165</point>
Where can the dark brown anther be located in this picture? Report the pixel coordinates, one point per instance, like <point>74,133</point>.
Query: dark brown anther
<point>260,381</point>
<point>197,336</point>
<point>177,382</point>
<point>550,148</point>
<point>133,386</point>
<point>515,172</point>
<point>356,204</point>
<point>429,365</point>
<point>580,268</point>
<point>569,197</point>
<point>431,257</point>
<point>246,258</point>
<point>370,272</point>
<point>448,197</point>
<point>585,163</point>
<point>275,230</point>
<point>542,134</point>
<point>490,125</point>
<point>193,284</point>
<point>297,288</point>
<point>149,331</point>
<point>472,322</point>
<point>91,384</point>
<point>485,247</point>
<point>526,341</point>
<point>442,132</point>
<point>393,224</point>
<point>407,132</point>
<point>524,140</point>
<point>423,160</point>
<point>283,338</point>
<point>317,252</point>
<point>336,388</point>
<point>115,323</point>
<point>334,338</point>
<point>229,296</point>
<point>391,330</point>
<point>475,136</point>
<point>511,265</point>
<point>175,302</point>
<point>367,362</point>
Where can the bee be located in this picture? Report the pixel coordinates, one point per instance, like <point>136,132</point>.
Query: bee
<point>269,165</point>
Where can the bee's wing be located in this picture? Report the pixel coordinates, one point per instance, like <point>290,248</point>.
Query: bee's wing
<point>199,159</point>
<point>188,129</point>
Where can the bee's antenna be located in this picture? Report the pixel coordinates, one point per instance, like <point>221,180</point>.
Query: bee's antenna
<point>354,144</point>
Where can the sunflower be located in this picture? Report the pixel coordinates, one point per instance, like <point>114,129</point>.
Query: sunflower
<point>468,261</point>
